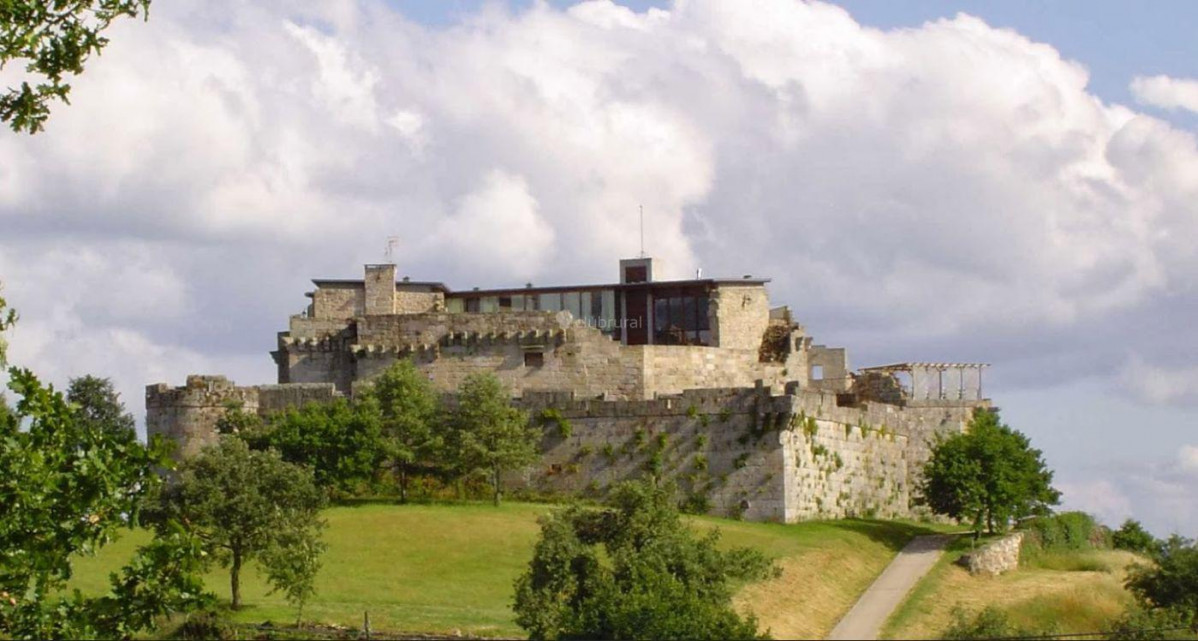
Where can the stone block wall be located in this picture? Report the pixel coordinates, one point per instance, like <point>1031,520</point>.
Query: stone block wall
<point>671,369</point>
<point>742,313</point>
<point>838,469</point>
<point>996,557</point>
<point>409,301</point>
<point>751,453</point>
<point>338,301</point>
<point>188,415</point>
<point>710,442</point>
<point>379,285</point>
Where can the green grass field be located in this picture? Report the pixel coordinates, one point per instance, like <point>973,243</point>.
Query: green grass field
<point>447,568</point>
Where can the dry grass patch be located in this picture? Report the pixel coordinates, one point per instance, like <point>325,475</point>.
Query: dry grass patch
<point>1069,601</point>
<point>815,590</point>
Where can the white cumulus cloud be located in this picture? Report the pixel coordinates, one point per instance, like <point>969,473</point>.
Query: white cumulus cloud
<point>1166,92</point>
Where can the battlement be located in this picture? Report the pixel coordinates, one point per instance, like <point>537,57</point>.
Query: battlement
<point>767,424</point>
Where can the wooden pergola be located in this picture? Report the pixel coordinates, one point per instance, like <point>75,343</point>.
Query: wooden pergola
<point>928,380</point>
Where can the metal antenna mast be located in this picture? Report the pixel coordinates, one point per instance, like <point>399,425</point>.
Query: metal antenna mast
<point>392,242</point>
<point>642,230</point>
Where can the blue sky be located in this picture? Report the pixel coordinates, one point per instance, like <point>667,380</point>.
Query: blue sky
<point>956,190</point>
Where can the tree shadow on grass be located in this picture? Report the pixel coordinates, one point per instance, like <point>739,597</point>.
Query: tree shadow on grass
<point>895,535</point>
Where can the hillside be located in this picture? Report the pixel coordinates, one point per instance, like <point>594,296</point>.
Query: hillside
<point>447,568</point>
<point>1068,592</point>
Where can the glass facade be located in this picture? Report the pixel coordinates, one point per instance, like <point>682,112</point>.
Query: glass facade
<point>680,317</point>
<point>595,306</point>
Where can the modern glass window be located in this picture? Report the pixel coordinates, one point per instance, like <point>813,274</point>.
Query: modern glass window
<point>551,302</point>
<point>572,302</point>
<point>680,317</point>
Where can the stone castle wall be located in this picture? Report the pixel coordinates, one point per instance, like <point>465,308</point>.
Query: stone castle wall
<point>742,313</point>
<point>188,415</point>
<point>450,346</point>
<point>768,457</point>
<point>747,452</point>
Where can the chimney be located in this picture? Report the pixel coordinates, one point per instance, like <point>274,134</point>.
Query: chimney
<point>380,289</point>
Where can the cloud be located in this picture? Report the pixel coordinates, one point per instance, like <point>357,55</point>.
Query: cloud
<point>1161,384</point>
<point>1166,92</point>
<point>1159,493</point>
<point>1187,458</point>
<point>946,192</point>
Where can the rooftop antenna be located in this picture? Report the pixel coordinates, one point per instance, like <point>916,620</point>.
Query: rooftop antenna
<point>392,243</point>
<point>642,230</point>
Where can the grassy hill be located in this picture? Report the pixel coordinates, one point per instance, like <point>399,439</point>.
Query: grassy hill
<point>1070,592</point>
<point>447,568</point>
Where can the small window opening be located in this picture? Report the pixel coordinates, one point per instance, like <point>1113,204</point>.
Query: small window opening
<point>817,372</point>
<point>534,359</point>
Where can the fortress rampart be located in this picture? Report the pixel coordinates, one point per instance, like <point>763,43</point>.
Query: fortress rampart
<point>699,381</point>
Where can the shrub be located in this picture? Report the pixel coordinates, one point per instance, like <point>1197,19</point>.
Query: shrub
<point>609,452</point>
<point>695,503</point>
<point>990,623</point>
<point>1153,623</point>
<point>553,416</point>
<point>634,570</point>
<point>1133,537</point>
<point>1064,531</point>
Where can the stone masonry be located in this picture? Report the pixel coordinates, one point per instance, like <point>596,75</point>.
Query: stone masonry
<point>700,381</point>
<point>996,557</point>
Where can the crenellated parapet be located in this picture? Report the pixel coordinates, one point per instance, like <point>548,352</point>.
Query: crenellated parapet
<point>188,415</point>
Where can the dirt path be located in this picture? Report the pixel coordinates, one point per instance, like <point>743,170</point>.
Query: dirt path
<point>865,620</point>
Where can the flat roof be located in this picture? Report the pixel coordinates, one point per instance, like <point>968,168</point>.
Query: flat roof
<point>901,367</point>
<point>716,282</point>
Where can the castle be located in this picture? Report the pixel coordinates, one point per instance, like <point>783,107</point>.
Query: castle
<point>700,380</point>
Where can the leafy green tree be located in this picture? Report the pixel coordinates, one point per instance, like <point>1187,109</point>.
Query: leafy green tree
<point>247,505</point>
<point>1152,624</point>
<point>488,434</point>
<point>98,406</point>
<point>1133,537</point>
<point>341,442</point>
<point>54,39</point>
<point>409,411</point>
<point>67,490</point>
<point>634,571</point>
<point>987,475</point>
<point>1172,580</point>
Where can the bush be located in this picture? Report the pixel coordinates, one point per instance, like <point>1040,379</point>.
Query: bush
<point>1153,623</point>
<point>1172,582</point>
<point>634,570</point>
<point>990,623</point>
<point>1132,536</point>
<point>696,503</point>
<point>1064,531</point>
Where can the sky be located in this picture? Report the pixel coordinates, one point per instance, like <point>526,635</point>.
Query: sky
<point>1012,183</point>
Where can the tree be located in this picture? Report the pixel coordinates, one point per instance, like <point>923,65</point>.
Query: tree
<point>989,475</point>
<point>56,39</point>
<point>98,406</point>
<point>633,571</point>
<point>1171,582</point>
<point>341,442</point>
<point>487,433</point>
<point>1133,537</point>
<point>409,411</point>
<point>67,490</point>
<point>247,505</point>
